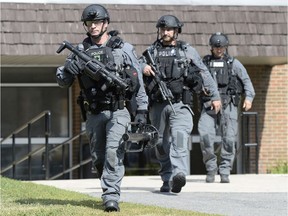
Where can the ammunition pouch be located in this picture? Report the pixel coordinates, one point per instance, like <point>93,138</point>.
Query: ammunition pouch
<point>194,79</point>
<point>235,90</point>
<point>236,99</point>
<point>226,99</point>
<point>235,86</point>
<point>176,86</point>
<point>177,98</point>
<point>187,96</point>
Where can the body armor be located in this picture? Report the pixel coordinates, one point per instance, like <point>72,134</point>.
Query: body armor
<point>176,70</point>
<point>166,58</point>
<point>229,85</point>
<point>220,70</point>
<point>172,69</point>
<point>94,98</point>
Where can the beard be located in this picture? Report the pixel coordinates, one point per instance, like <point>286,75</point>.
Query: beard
<point>167,38</point>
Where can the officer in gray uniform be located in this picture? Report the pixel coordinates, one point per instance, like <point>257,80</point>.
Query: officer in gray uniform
<point>179,67</point>
<point>104,106</point>
<point>233,81</point>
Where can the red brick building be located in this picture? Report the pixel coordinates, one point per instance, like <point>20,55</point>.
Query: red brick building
<point>32,32</point>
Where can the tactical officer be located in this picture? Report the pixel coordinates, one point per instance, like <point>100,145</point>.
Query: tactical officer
<point>176,69</point>
<point>104,105</point>
<point>233,81</point>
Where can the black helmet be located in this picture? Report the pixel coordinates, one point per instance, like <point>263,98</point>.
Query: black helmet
<point>218,39</point>
<point>169,21</point>
<point>95,12</point>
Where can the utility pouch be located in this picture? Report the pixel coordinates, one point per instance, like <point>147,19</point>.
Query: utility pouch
<point>177,71</point>
<point>150,86</point>
<point>235,99</point>
<point>80,102</point>
<point>187,96</point>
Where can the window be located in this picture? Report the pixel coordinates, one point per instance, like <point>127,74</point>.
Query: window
<point>26,92</point>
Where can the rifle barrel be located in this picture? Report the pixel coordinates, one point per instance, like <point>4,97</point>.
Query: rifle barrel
<point>94,64</point>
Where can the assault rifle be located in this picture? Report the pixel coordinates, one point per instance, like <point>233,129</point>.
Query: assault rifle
<point>165,92</point>
<point>94,68</point>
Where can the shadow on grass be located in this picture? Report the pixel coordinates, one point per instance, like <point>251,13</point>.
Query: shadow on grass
<point>84,203</point>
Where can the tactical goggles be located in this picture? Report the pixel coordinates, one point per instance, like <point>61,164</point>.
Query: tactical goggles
<point>95,22</point>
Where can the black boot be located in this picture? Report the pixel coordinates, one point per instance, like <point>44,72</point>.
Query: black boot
<point>111,206</point>
<point>178,182</point>
<point>165,187</point>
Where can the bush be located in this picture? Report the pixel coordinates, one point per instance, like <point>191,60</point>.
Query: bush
<point>280,168</point>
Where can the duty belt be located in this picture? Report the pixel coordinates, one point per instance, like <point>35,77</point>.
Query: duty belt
<point>96,108</point>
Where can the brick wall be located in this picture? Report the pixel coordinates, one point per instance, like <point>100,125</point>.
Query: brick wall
<point>271,103</point>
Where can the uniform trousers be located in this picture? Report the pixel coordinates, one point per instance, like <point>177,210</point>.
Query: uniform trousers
<point>105,131</point>
<point>208,125</point>
<point>174,132</point>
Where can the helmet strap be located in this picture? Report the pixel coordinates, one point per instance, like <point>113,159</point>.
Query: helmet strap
<point>158,34</point>
<point>175,35</point>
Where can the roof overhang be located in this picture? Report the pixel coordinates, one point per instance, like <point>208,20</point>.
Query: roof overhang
<point>55,61</point>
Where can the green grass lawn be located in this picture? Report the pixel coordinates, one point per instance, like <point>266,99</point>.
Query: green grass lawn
<point>27,198</point>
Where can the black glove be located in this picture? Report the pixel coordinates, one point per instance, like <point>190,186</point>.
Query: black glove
<point>141,116</point>
<point>74,66</point>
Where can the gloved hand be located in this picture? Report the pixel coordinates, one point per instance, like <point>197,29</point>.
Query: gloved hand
<point>74,66</point>
<point>141,116</point>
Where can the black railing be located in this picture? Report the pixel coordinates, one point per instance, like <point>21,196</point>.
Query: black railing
<point>77,166</point>
<point>46,150</point>
<point>247,142</point>
<point>47,115</point>
<point>249,132</point>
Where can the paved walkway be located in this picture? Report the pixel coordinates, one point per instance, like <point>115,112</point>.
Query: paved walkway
<point>246,195</point>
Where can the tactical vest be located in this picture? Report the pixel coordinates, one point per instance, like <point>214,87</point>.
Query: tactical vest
<point>172,67</point>
<point>229,85</point>
<point>96,99</point>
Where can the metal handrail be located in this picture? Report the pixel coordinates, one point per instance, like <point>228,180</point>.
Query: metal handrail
<point>22,159</point>
<point>67,141</point>
<point>246,142</point>
<point>69,169</point>
<point>47,115</point>
<point>81,163</point>
<point>36,118</point>
<point>45,148</point>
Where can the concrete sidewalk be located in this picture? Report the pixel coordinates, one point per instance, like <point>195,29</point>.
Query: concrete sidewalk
<point>246,195</point>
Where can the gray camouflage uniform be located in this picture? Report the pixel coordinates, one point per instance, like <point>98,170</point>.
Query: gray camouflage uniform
<point>227,123</point>
<point>174,130</point>
<point>105,127</point>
